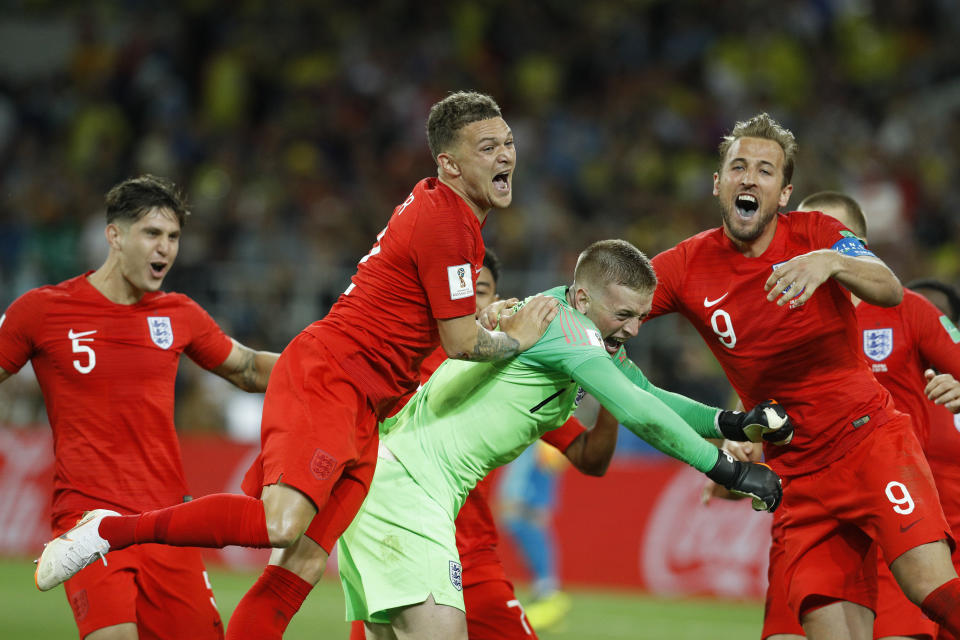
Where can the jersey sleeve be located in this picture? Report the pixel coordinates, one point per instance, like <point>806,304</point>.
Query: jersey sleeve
<point>937,338</point>
<point>209,345</point>
<point>444,249</point>
<point>668,266</point>
<point>563,436</point>
<point>829,233</point>
<point>16,335</point>
<point>648,417</point>
<point>703,418</point>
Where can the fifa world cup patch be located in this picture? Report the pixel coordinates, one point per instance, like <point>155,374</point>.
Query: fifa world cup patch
<point>322,464</point>
<point>456,575</point>
<point>460,278</point>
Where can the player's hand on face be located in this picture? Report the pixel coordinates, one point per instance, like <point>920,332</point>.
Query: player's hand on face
<point>528,324</point>
<point>796,280</point>
<point>943,389</point>
<point>489,316</point>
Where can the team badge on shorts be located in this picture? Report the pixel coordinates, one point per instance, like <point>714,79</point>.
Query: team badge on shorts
<point>456,575</point>
<point>878,343</point>
<point>161,331</point>
<point>322,464</point>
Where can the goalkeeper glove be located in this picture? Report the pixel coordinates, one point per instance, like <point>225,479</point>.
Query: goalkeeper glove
<point>750,479</point>
<point>766,422</point>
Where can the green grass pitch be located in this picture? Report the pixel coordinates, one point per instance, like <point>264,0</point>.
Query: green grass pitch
<point>27,614</point>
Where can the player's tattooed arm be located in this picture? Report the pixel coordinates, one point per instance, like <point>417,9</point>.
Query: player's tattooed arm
<point>246,368</point>
<point>464,338</point>
<point>492,345</point>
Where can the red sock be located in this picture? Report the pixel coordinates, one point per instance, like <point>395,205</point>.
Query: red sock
<point>943,606</point>
<point>216,521</point>
<point>266,609</point>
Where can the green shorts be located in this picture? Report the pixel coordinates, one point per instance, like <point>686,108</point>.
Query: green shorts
<point>399,550</point>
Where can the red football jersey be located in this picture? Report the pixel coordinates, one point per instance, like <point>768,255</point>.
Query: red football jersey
<point>900,343</point>
<point>423,267</point>
<point>107,372</point>
<point>806,357</point>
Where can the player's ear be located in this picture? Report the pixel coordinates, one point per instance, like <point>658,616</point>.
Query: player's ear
<point>785,195</point>
<point>112,233</point>
<point>716,184</point>
<point>448,165</point>
<point>581,299</point>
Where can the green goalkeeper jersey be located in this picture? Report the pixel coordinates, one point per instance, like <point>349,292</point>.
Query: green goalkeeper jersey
<point>471,417</point>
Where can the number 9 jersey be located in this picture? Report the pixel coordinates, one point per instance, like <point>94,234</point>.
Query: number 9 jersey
<point>806,356</point>
<point>107,373</point>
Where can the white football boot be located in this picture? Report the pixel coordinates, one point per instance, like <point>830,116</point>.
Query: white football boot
<point>65,555</point>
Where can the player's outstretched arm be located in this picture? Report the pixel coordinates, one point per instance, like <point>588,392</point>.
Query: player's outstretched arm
<point>653,421</point>
<point>866,277</point>
<point>592,450</point>
<point>766,422</point>
<point>246,368</point>
<point>464,338</point>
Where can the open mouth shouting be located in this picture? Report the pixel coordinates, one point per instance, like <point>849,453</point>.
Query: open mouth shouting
<point>612,344</point>
<point>158,269</point>
<point>501,182</point>
<point>746,206</point>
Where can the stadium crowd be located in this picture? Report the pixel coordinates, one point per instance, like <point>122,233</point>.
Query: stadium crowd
<point>295,128</point>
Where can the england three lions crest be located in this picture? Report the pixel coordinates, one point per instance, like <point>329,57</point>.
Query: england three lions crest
<point>161,331</point>
<point>456,575</point>
<point>878,343</point>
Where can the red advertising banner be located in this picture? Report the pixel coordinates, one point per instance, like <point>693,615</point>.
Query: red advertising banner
<point>640,526</point>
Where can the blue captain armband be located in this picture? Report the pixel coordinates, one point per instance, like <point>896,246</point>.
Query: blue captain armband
<point>851,245</point>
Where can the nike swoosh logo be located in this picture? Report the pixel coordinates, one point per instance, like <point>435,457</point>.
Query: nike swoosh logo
<point>709,303</point>
<point>79,334</point>
<point>904,529</point>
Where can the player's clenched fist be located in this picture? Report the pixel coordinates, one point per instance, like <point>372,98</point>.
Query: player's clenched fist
<point>766,422</point>
<point>751,479</point>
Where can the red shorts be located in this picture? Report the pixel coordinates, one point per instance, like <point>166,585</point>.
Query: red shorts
<point>778,617</point>
<point>896,616</point>
<point>881,490</point>
<point>318,435</point>
<point>493,613</point>
<point>163,590</point>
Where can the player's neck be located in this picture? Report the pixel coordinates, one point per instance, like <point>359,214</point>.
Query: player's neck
<point>457,189</point>
<point>756,247</point>
<point>109,281</point>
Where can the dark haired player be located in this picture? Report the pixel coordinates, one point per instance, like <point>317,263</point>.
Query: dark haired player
<point>105,347</point>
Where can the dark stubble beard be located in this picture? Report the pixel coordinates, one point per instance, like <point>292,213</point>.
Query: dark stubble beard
<point>760,221</point>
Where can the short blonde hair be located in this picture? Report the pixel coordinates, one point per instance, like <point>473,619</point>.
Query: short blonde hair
<point>763,126</point>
